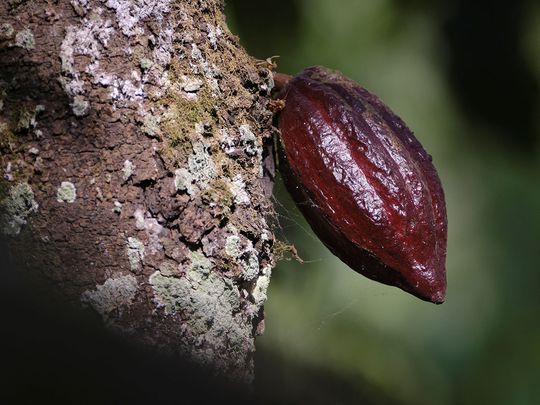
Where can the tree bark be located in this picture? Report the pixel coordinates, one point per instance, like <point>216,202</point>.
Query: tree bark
<point>132,138</point>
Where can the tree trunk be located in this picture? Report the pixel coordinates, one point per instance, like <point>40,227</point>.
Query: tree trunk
<point>133,141</point>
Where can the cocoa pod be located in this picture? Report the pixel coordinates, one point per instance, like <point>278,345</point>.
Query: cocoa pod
<point>364,183</point>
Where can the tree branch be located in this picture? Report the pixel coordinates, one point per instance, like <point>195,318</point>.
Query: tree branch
<point>133,140</point>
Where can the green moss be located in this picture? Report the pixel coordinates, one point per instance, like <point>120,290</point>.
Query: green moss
<point>181,142</point>
<point>218,193</point>
<point>182,115</point>
<point>25,118</point>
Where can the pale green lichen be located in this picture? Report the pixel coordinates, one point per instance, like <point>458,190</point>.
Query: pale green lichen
<point>16,207</point>
<point>191,84</point>
<point>80,106</point>
<point>169,268</point>
<point>6,31</point>
<point>213,35</point>
<point>183,180</point>
<point>251,267</point>
<point>117,207</point>
<point>200,263</point>
<point>135,253</point>
<point>113,295</point>
<point>129,13</point>
<point>140,223</point>
<point>170,293</point>
<point>238,190</point>
<point>232,246</point>
<point>145,63</point>
<point>247,258</point>
<point>27,118</point>
<point>201,165</point>
<point>86,39</point>
<point>207,300</point>
<point>226,141</point>
<point>260,289</point>
<point>66,192</point>
<point>187,293</point>
<point>127,169</point>
<point>25,39</point>
<point>248,140</point>
<point>150,126</point>
<point>211,305</point>
<point>200,65</point>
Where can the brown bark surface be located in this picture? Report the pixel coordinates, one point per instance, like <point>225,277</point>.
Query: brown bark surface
<point>132,138</point>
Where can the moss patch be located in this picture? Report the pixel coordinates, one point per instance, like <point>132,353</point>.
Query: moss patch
<point>182,115</point>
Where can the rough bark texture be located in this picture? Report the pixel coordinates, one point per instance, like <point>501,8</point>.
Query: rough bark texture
<point>132,136</point>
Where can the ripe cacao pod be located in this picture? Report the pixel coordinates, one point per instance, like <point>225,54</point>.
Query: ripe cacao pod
<point>364,183</point>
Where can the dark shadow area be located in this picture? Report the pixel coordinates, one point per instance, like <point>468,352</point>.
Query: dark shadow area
<point>488,70</point>
<point>54,353</point>
<point>266,28</point>
<point>281,381</point>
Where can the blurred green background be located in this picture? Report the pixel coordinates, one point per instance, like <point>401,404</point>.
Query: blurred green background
<point>465,77</point>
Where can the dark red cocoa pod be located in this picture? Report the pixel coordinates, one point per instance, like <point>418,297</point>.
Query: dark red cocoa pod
<point>364,183</point>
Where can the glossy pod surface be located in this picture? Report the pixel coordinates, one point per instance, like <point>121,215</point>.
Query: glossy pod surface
<point>364,183</point>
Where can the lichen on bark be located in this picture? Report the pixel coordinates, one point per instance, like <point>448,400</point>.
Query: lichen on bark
<point>143,145</point>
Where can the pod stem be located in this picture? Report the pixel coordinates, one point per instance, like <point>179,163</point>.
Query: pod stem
<point>280,82</point>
